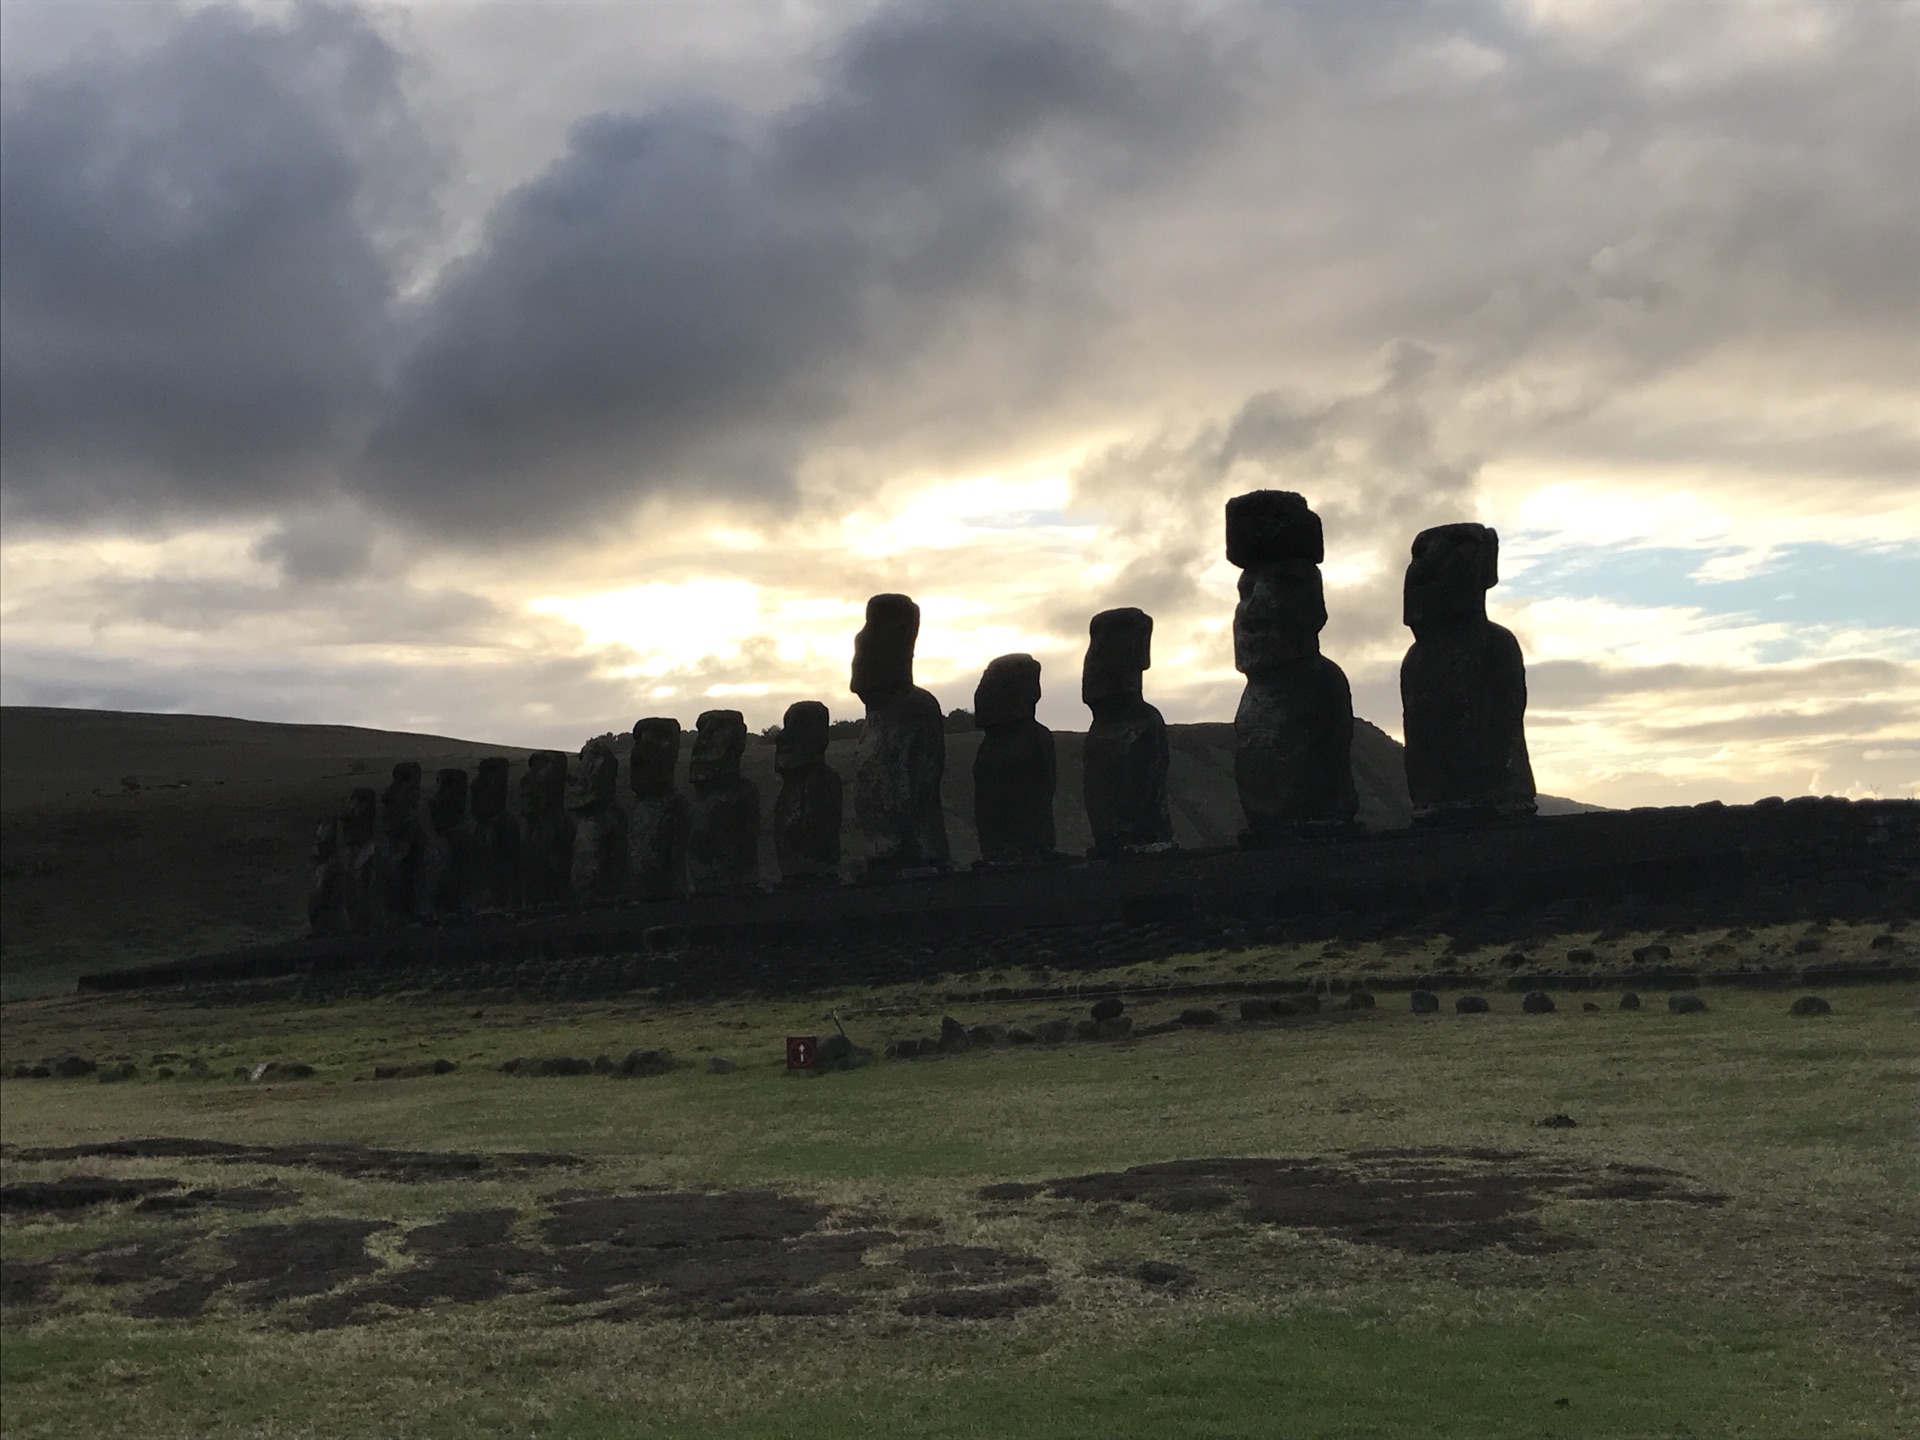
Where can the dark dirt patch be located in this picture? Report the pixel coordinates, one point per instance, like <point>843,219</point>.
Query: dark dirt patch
<point>1416,1201</point>
<point>681,1218</point>
<point>74,1192</point>
<point>180,1301</point>
<point>1009,1190</point>
<point>285,1262</point>
<point>359,1162</point>
<point>991,1303</point>
<point>970,1264</point>
<point>140,1263</point>
<point>247,1198</point>
<point>23,1283</point>
<point>463,1259</point>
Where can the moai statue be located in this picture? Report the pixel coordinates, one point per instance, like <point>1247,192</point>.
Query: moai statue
<point>1293,733</point>
<point>599,871</point>
<point>806,814</point>
<point>325,913</point>
<point>1013,775</point>
<point>403,847</point>
<point>357,861</point>
<point>449,846</point>
<point>1126,749</point>
<point>657,826</point>
<point>723,834</point>
<point>546,836</point>
<point>493,874</point>
<point>1463,685</point>
<point>903,754</point>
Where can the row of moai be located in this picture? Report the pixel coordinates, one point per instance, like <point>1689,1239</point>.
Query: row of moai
<point>1463,690</point>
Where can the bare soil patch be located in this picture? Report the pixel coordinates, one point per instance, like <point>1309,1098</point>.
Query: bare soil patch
<point>357,1162</point>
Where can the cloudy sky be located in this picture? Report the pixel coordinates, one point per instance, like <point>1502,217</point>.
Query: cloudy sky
<point>512,371</point>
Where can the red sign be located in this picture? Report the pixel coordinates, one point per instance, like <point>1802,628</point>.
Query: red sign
<point>802,1051</point>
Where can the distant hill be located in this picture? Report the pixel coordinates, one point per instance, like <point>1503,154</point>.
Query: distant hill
<point>210,850</point>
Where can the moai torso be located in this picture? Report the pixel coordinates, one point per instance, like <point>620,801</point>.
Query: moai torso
<point>807,811</point>
<point>546,834</point>
<point>599,868</point>
<point>493,872</point>
<point>325,915</point>
<point>1293,731</point>
<point>1463,685</point>
<point>658,820</point>
<point>723,838</point>
<point>403,848</point>
<point>1126,749</point>
<point>357,861</point>
<point>1013,770</point>
<point>903,753</point>
<point>449,846</point>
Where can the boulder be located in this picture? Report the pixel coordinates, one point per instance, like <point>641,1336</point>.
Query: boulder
<point>1253,1008</point>
<point>1107,1008</point>
<point>1052,1032</point>
<point>1471,1005</point>
<point>1652,954</point>
<point>646,1062</point>
<point>1198,1016</point>
<point>1580,955</point>
<point>1810,1005</point>
<point>1537,1003</point>
<point>1629,1001</point>
<point>1360,1000</point>
<point>1424,1002</point>
<point>1685,1005</point>
<point>720,1065</point>
<point>72,1067</point>
<point>953,1035</point>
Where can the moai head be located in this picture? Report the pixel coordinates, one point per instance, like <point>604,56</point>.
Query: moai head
<point>802,742</point>
<point>1452,569</point>
<point>883,650</point>
<point>1119,650</point>
<point>400,801</point>
<point>720,738</point>
<point>543,789</point>
<point>448,805</point>
<point>1264,526</point>
<point>599,774</point>
<point>1281,613</point>
<point>656,752</point>
<point>488,795</point>
<point>1008,691</point>
<point>357,820</point>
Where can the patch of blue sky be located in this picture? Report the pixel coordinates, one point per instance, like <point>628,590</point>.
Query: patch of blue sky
<point>1021,520</point>
<point>1815,584</point>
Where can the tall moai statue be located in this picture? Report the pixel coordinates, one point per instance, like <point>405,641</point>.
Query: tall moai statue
<point>325,914</point>
<point>449,846</point>
<point>1126,748</point>
<point>723,834</point>
<point>903,753</point>
<point>493,874</point>
<point>1013,772</point>
<point>599,867</point>
<point>657,824</point>
<point>357,862</point>
<point>403,847</point>
<point>806,813</point>
<point>1463,685</point>
<point>546,836</point>
<point>1293,732</point>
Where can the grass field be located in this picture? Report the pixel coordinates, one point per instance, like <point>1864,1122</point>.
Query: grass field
<point>1722,1245</point>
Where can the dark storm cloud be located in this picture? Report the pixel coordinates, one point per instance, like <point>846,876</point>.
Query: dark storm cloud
<point>199,242</point>
<point>685,292</point>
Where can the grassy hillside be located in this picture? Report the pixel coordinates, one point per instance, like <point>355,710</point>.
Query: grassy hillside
<point>208,848</point>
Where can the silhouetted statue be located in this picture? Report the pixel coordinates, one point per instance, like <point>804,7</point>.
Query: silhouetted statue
<point>1293,733</point>
<point>546,837</point>
<point>599,868</point>
<point>493,876</point>
<point>903,754</point>
<point>1126,749</point>
<point>449,846</point>
<point>1463,685</point>
<point>403,847</point>
<point>326,910</point>
<point>657,826</point>
<point>357,863</point>
<point>723,840</point>
<point>806,814</point>
<point>1013,775</point>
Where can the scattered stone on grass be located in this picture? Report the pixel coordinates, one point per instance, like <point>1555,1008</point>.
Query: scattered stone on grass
<point>1052,1032</point>
<point>837,1052</point>
<point>1808,945</point>
<point>1538,1002</point>
<point>1580,955</point>
<point>1514,959</point>
<point>1471,1005</point>
<point>1107,1008</point>
<point>1811,1005</point>
<point>988,1034</point>
<point>1255,1009</point>
<point>1655,954</point>
<point>1163,1274</point>
<point>1559,1120</point>
<point>72,1067</point>
<point>953,1036</point>
<point>1360,1000</point>
<point>720,1065</point>
<point>1685,1004</point>
<point>1629,1001</point>
<point>117,1071</point>
<point>1886,942</point>
<point>1198,1016</point>
<point>646,1062</point>
<point>1424,1002</point>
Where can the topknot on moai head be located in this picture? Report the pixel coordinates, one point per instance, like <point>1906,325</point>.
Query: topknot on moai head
<point>720,738</point>
<point>802,741</point>
<point>1452,568</point>
<point>487,796</point>
<point>1119,650</point>
<point>1008,692</point>
<point>599,774</point>
<point>544,787</point>
<point>655,754</point>
<point>1268,526</point>
<point>448,805</point>
<point>883,650</point>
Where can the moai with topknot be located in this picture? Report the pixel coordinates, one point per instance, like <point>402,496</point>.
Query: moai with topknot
<point>657,824</point>
<point>493,855</point>
<point>1013,771</point>
<point>1293,732</point>
<point>806,813</point>
<point>599,869</point>
<point>1126,747</point>
<point>403,848</point>
<point>1463,685</point>
<point>723,837</point>
<point>903,752</point>
<point>546,836</point>
<point>449,846</point>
